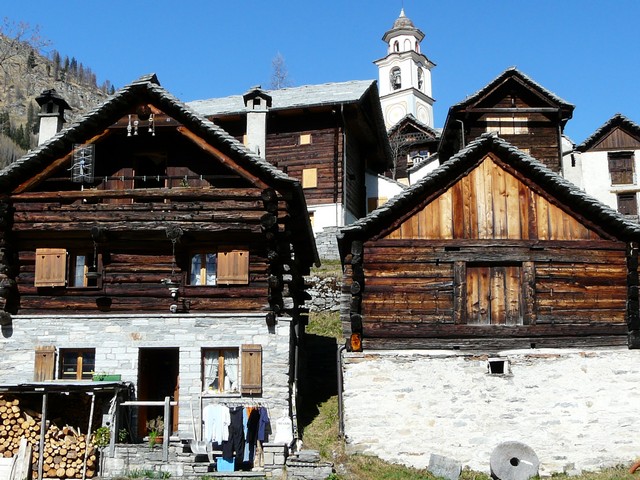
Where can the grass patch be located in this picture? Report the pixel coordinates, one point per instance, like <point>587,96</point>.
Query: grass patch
<point>325,324</point>
<point>329,268</point>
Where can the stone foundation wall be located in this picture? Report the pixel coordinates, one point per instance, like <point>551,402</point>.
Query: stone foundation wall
<point>576,409</point>
<point>117,340</point>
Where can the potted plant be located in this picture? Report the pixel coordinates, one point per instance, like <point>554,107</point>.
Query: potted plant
<point>155,427</point>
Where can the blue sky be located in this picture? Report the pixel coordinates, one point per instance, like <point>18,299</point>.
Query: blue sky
<point>585,51</point>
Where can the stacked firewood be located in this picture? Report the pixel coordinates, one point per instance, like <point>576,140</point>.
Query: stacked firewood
<point>65,449</point>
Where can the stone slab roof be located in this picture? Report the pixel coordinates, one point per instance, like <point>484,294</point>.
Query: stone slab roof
<point>458,165</point>
<point>287,98</point>
<point>618,120</point>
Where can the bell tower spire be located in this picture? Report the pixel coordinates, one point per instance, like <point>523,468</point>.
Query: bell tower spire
<point>405,75</point>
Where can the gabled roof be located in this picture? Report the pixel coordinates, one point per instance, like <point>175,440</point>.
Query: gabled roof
<point>513,73</point>
<point>409,119</point>
<point>148,89</point>
<point>363,94</point>
<point>461,163</point>
<point>287,98</point>
<point>617,121</point>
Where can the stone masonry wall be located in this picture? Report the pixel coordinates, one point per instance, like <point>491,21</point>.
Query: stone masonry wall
<point>576,409</point>
<point>118,338</point>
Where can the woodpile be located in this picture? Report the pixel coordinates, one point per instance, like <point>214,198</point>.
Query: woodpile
<point>65,449</point>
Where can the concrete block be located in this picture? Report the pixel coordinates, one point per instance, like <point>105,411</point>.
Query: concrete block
<point>444,467</point>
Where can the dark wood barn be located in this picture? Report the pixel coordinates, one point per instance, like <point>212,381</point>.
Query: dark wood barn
<point>519,110</point>
<point>492,249</point>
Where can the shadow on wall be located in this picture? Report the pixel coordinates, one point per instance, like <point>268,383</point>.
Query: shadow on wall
<point>319,376</point>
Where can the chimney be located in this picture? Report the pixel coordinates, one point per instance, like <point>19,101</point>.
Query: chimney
<point>257,104</point>
<point>52,107</point>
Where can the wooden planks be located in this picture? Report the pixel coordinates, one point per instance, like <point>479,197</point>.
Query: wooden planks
<point>491,203</point>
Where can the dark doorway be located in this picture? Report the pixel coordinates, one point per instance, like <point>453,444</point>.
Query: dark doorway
<point>158,370</point>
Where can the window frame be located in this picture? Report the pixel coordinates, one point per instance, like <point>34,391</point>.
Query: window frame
<point>621,167</point>
<point>632,200</point>
<point>221,374</point>
<point>87,282</point>
<point>80,373</point>
<point>231,267</point>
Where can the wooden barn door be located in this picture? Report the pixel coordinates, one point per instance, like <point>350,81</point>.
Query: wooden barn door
<point>494,295</point>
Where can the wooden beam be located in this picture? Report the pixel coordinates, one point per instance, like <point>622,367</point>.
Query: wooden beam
<point>34,181</point>
<point>513,110</point>
<point>200,193</point>
<point>224,159</point>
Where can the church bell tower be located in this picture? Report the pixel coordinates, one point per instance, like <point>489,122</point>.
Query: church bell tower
<point>405,75</point>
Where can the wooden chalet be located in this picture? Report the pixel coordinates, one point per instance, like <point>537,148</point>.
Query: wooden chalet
<point>519,110</point>
<point>491,250</point>
<point>326,136</point>
<point>607,163</point>
<point>145,241</point>
<point>412,143</point>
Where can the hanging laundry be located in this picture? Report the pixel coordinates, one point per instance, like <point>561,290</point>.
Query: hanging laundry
<point>216,420</point>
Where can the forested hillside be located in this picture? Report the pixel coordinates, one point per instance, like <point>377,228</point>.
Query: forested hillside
<point>28,66</point>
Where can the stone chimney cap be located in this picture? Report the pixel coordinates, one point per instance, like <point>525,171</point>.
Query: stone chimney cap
<point>52,96</point>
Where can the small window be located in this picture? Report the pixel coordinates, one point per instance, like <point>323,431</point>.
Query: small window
<point>220,370</point>
<point>508,125</point>
<point>628,203</point>
<point>228,266</point>
<point>305,139</point>
<point>203,269</point>
<point>77,364</point>
<point>396,79</point>
<point>82,270</point>
<point>498,366</point>
<point>309,178</point>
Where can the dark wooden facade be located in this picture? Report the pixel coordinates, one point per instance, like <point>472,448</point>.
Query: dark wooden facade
<point>336,129</point>
<point>519,110</point>
<point>411,143</point>
<point>167,185</point>
<point>491,250</point>
<point>617,133</point>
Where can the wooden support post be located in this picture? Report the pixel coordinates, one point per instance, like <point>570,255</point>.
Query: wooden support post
<point>43,431</point>
<point>86,450</point>
<point>165,433</point>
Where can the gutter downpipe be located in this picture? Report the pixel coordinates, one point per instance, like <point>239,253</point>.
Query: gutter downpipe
<point>344,167</point>
<point>461,131</point>
<point>341,349</point>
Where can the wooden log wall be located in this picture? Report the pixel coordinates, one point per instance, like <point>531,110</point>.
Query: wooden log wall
<point>65,449</point>
<point>324,153</point>
<point>137,254</point>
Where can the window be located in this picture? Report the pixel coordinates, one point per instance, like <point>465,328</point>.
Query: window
<point>203,269</point>
<point>220,370</point>
<point>77,364</point>
<point>52,269</point>
<point>82,271</point>
<point>396,79</point>
<point>309,178</point>
<point>621,168</point>
<point>305,139</point>
<point>628,203</point>
<point>420,79</point>
<point>232,370</point>
<point>507,125</point>
<point>227,266</point>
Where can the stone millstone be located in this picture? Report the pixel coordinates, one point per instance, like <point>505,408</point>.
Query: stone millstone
<point>513,461</point>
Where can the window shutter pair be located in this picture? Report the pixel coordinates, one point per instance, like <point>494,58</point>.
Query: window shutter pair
<point>251,369</point>
<point>51,267</point>
<point>233,267</point>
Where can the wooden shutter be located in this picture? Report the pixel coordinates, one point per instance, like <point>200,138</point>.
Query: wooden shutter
<point>621,167</point>
<point>233,267</point>
<point>51,267</point>
<point>627,203</point>
<point>251,369</point>
<point>309,178</point>
<point>45,364</point>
